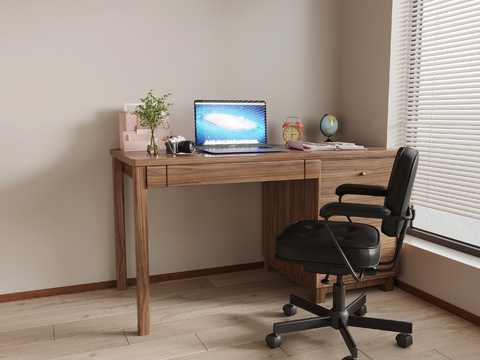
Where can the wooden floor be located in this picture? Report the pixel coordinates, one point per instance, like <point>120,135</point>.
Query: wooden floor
<point>220,317</point>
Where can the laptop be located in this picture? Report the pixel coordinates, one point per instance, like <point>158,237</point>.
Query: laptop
<point>232,126</point>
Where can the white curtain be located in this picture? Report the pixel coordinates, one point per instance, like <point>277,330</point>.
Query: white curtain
<point>434,105</point>
<point>441,102</point>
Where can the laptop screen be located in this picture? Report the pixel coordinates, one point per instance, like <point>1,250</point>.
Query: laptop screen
<point>225,122</point>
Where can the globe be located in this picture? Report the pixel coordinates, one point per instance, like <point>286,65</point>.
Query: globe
<point>328,125</point>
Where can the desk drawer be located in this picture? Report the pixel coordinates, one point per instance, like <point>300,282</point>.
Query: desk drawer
<point>234,173</point>
<point>362,171</point>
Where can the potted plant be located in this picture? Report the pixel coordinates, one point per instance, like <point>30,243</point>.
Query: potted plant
<point>152,113</point>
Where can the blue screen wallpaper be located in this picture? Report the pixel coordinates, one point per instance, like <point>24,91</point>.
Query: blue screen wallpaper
<point>229,122</point>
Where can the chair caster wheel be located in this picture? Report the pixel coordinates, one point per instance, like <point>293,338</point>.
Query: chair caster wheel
<point>273,340</point>
<point>289,310</point>
<point>349,358</point>
<point>362,311</point>
<point>404,340</point>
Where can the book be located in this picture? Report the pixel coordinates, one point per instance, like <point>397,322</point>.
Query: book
<point>351,147</point>
<point>303,145</point>
<point>322,146</point>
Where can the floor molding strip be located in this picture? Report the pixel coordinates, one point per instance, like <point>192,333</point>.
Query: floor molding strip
<point>65,290</point>
<point>455,310</point>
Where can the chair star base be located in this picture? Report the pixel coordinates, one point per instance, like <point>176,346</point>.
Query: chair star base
<point>340,317</point>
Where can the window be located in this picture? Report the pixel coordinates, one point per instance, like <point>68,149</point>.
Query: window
<point>441,117</point>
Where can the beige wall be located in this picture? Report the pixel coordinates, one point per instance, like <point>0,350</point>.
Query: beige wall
<point>444,273</point>
<point>66,69</point>
<point>365,72</point>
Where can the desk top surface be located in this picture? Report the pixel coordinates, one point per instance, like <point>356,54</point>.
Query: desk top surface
<point>142,158</point>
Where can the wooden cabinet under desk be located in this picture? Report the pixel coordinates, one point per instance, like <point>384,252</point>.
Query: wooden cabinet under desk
<point>288,201</point>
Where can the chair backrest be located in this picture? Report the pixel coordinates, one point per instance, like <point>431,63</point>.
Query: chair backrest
<point>400,188</point>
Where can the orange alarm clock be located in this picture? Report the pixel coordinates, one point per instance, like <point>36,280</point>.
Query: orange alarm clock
<point>292,130</point>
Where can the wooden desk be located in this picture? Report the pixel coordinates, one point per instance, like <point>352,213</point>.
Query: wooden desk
<point>295,185</point>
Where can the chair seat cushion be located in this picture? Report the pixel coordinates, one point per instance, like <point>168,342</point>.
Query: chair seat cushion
<point>308,242</point>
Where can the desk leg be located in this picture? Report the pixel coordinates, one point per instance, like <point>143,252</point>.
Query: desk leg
<point>119,216</point>
<point>141,249</point>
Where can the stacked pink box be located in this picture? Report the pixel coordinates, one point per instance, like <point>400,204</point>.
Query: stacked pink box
<point>136,137</point>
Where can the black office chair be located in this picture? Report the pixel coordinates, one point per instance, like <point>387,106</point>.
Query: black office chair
<point>342,248</point>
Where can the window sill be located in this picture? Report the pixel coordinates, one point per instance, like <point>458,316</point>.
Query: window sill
<point>443,251</point>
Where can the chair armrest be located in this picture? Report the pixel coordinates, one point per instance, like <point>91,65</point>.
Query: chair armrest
<point>361,189</point>
<point>357,210</point>
<point>350,209</point>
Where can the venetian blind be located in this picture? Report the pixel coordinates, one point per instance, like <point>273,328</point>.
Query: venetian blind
<point>443,104</point>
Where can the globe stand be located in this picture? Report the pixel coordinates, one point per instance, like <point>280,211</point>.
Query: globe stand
<point>328,139</point>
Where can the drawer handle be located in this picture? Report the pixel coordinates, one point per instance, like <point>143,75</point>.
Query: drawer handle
<point>363,173</point>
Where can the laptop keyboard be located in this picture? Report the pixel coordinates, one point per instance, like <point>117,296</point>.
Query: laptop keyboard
<point>243,147</point>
